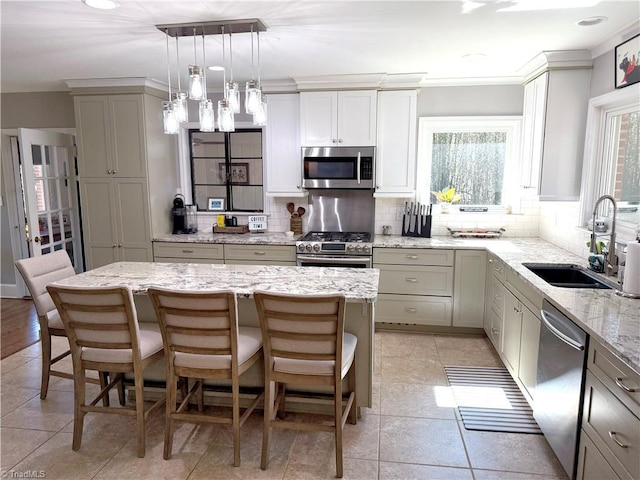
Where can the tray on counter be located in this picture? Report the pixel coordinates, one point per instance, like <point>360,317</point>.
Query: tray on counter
<point>475,232</point>
<point>238,229</point>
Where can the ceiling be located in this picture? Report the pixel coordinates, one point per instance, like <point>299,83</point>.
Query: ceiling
<point>44,43</point>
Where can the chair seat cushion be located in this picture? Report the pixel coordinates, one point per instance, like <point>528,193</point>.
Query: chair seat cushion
<point>150,343</point>
<point>318,367</point>
<point>249,342</point>
<point>54,320</point>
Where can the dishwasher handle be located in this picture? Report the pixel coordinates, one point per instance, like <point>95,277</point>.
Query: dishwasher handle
<point>548,318</point>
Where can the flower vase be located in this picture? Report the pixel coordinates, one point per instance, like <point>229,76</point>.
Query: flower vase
<point>444,207</point>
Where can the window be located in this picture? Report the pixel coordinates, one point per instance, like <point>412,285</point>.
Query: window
<point>612,154</point>
<point>475,155</point>
<point>228,166</point>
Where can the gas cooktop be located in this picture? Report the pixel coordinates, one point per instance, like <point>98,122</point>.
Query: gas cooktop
<point>347,237</point>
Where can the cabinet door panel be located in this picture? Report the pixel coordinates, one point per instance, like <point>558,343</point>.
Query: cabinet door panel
<point>94,144</point>
<point>511,332</point>
<point>529,342</point>
<point>127,127</point>
<point>318,117</point>
<point>134,254</point>
<point>133,213</point>
<point>98,222</point>
<point>591,464</point>
<point>468,288</point>
<point>357,118</point>
<point>98,255</point>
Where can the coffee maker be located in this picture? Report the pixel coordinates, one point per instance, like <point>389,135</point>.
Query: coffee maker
<point>184,216</point>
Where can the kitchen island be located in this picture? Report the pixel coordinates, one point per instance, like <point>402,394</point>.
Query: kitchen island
<point>359,286</point>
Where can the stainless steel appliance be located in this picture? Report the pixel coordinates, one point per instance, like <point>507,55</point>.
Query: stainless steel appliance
<point>335,249</point>
<point>338,167</point>
<point>183,216</point>
<point>560,384</point>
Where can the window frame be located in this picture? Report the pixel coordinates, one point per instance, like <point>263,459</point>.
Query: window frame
<point>597,142</point>
<point>184,165</point>
<point>510,124</point>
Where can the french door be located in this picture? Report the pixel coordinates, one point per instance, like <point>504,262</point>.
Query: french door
<point>50,194</point>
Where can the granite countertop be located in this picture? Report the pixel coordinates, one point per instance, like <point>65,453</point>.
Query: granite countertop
<point>268,238</point>
<point>357,285</point>
<point>613,320</point>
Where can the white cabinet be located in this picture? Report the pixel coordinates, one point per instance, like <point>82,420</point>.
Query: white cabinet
<point>182,252</point>
<point>283,164</point>
<point>511,332</point>
<point>344,118</point>
<point>529,343</point>
<point>494,300</point>
<point>468,288</point>
<point>259,254</point>
<point>396,144</point>
<point>119,134</point>
<point>554,118</point>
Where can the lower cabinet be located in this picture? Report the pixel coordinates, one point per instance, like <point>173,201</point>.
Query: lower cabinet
<point>260,254</point>
<point>178,252</point>
<point>511,333</point>
<point>468,288</point>
<point>529,343</point>
<point>610,440</point>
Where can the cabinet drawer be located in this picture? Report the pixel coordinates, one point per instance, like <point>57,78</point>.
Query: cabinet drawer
<point>410,280</point>
<point>210,261</point>
<point>413,310</point>
<point>612,427</point>
<point>258,253</point>
<point>525,293</point>
<point>412,256</point>
<point>619,378</point>
<point>591,464</point>
<point>497,267</point>
<point>497,293</point>
<point>257,261</point>
<point>187,250</point>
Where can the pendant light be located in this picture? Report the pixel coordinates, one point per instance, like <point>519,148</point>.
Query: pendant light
<point>232,92</point>
<point>252,90</point>
<point>226,122</point>
<point>169,117</point>
<point>179,97</point>
<point>207,120</point>
<point>196,75</point>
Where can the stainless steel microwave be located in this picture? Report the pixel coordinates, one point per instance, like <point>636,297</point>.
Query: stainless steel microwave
<point>338,167</point>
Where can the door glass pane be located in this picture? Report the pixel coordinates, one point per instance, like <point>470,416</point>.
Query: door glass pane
<point>69,248</point>
<point>627,167</point>
<point>43,229</point>
<point>36,153</point>
<point>53,194</point>
<point>49,167</point>
<point>66,216</point>
<point>56,227</point>
<point>46,250</point>
<point>40,196</point>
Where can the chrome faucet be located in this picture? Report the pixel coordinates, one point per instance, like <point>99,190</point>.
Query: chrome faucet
<point>611,259</point>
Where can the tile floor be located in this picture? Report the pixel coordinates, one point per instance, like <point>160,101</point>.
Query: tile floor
<point>411,432</point>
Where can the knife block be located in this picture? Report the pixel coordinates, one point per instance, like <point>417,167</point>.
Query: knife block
<point>416,226</point>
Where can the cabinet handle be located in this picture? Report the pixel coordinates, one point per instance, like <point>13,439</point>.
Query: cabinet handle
<point>119,245</point>
<point>113,246</point>
<point>612,436</point>
<point>339,140</point>
<point>411,257</point>
<point>491,260</point>
<point>187,251</point>
<point>516,310</point>
<point>109,172</point>
<point>410,279</point>
<point>115,171</point>
<point>495,331</point>
<point>496,297</point>
<point>260,253</point>
<point>333,140</point>
<point>410,310</point>
<point>624,387</point>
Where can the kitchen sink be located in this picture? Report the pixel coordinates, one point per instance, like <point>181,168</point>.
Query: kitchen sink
<point>567,275</point>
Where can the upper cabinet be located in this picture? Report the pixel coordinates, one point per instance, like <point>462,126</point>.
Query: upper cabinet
<point>554,117</point>
<point>111,140</point>
<point>283,164</point>
<point>345,118</point>
<point>396,144</point>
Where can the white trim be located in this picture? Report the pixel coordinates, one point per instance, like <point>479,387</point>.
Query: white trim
<point>595,143</point>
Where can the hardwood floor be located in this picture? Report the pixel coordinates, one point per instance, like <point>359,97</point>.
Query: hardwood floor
<point>18,325</point>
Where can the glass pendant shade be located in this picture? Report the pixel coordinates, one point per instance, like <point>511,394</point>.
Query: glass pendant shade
<point>196,82</point>
<point>232,95</point>
<point>225,117</point>
<point>179,100</point>
<point>170,119</point>
<point>252,97</point>
<point>207,120</point>
<point>260,115</point>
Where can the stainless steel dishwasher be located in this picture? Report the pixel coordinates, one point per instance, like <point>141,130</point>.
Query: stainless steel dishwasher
<point>560,384</point>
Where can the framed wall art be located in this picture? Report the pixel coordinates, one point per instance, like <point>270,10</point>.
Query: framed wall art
<point>627,62</point>
<point>215,204</point>
<point>239,173</point>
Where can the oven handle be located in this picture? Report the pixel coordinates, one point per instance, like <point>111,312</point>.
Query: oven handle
<point>339,261</point>
<point>358,168</point>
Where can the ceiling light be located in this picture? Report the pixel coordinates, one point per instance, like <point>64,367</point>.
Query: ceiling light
<point>255,101</point>
<point>591,21</point>
<point>169,115</point>
<point>101,4</point>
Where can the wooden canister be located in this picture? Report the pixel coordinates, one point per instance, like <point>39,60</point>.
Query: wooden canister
<point>296,225</point>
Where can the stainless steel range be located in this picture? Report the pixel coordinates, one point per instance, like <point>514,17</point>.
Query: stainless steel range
<point>335,249</point>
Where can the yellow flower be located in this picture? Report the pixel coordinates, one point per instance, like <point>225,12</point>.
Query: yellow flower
<point>448,195</point>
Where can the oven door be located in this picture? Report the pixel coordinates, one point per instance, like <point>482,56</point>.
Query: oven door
<point>333,261</point>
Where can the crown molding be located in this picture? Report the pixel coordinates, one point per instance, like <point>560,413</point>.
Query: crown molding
<point>470,81</point>
<point>555,60</point>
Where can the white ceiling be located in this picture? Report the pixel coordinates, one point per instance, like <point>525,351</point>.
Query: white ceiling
<point>44,43</point>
